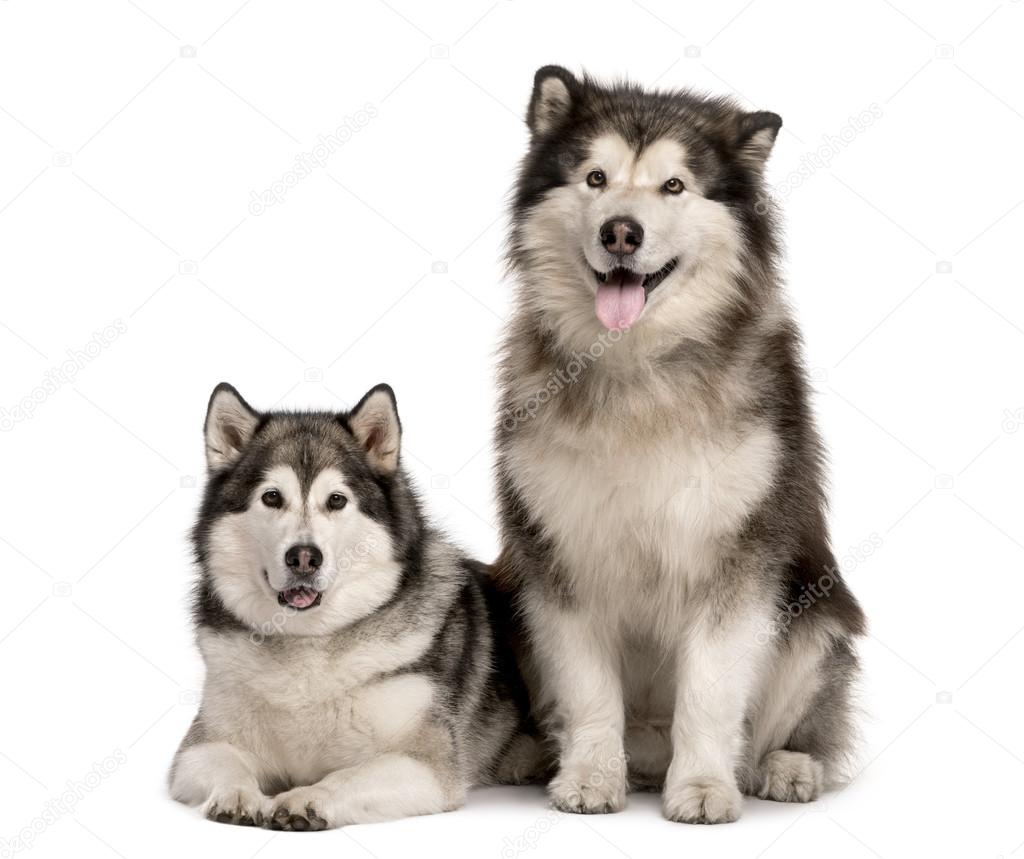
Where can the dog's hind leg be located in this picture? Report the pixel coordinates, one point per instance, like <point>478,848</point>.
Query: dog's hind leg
<point>524,760</point>
<point>801,728</point>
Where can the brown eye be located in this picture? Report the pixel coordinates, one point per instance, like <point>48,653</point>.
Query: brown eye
<point>673,186</point>
<point>272,498</point>
<point>596,179</point>
<point>335,501</point>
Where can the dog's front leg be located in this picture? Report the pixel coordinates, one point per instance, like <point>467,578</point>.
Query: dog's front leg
<point>717,662</point>
<point>223,779</point>
<point>579,663</point>
<point>386,788</point>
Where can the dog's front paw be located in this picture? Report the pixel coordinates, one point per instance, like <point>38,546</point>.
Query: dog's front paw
<point>303,809</point>
<point>240,806</point>
<point>702,801</point>
<point>791,777</point>
<point>584,789</point>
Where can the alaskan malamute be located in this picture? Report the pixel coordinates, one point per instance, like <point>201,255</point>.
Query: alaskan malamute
<point>353,668</point>
<point>660,476</point>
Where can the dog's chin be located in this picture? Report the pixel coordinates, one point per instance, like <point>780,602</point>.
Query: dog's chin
<point>296,597</point>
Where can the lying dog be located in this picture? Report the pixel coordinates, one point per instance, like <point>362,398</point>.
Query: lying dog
<point>354,671</point>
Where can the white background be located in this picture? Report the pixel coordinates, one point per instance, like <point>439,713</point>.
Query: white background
<point>133,135</point>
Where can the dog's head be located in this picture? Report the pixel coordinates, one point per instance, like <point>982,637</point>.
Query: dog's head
<point>305,516</point>
<point>639,210</point>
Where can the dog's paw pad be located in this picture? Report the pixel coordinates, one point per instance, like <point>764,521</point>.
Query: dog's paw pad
<point>702,801</point>
<point>241,807</point>
<point>588,791</point>
<point>791,777</point>
<point>299,810</point>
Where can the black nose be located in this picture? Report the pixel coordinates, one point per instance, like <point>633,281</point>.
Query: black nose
<point>621,235</point>
<point>304,560</point>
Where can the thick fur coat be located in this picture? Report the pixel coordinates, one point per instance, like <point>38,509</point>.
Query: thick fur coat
<point>356,667</point>
<point>660,477</point>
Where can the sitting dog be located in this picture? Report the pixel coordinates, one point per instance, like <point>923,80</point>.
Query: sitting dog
<point>660,475</point>
<point>354,667</point>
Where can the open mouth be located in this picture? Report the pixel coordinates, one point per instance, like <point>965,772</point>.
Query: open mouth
<point>298,597</point>
<point>622,294</point>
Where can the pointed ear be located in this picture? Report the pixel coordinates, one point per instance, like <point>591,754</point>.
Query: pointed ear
<point>554,91</point>
<point>375,424</point>
<point>756,137</point>
<point>230,424</point>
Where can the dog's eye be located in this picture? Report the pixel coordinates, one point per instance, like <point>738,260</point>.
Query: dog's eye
<point>272,498</point>
<point>335,501</point>
<point>596,179</point>
<point>673,186</point>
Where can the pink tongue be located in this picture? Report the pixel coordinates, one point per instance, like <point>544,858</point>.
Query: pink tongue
<point>619,306</point>
<point>300,597</point>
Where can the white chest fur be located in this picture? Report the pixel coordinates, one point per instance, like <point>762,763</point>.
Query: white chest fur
<point>308,706</point>
<point>638,507</point>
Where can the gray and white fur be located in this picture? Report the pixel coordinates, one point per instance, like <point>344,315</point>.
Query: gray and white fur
<point>660,478</point>
<point>355,667</point>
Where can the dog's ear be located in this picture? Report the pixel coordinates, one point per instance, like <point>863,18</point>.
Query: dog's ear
<point>756,137</point>
<point>554,91</point>
<point>230,424</point>
<point>375,424</point>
